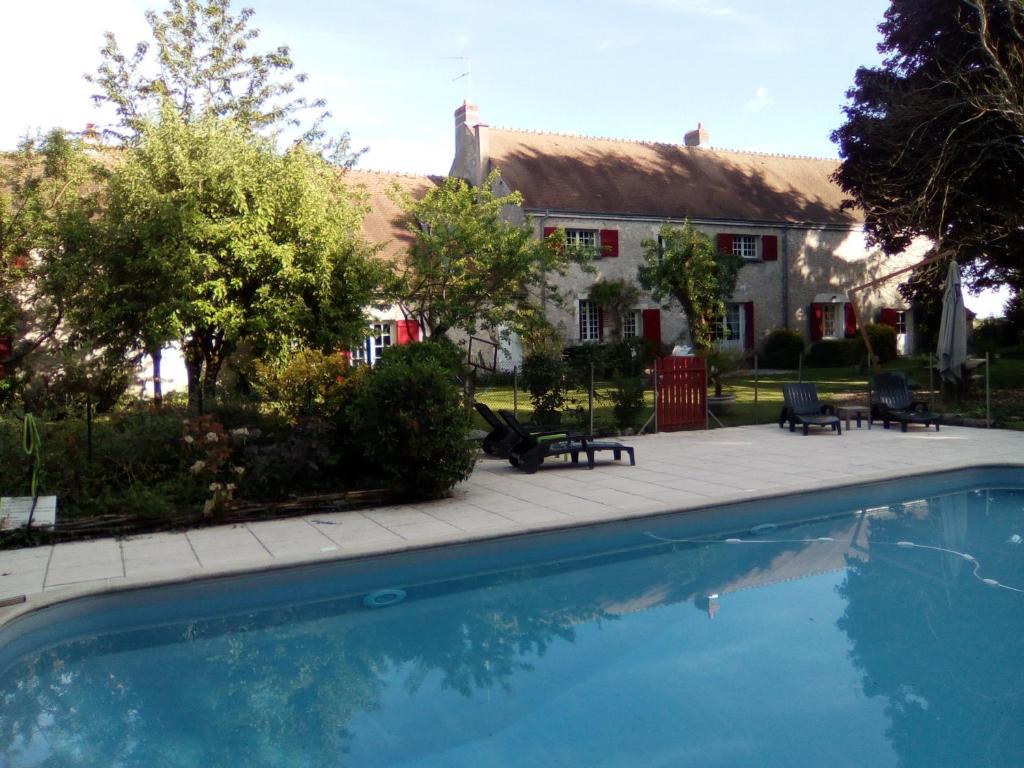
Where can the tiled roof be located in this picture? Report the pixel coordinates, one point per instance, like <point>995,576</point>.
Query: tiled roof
<point>383,222</point>
<point>596,175</point>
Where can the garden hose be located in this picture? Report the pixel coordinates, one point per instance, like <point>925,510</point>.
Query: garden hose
<point>31,444</point>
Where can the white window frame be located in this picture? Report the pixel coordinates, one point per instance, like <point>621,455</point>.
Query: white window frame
<point>632,324</point>
<point>381,337</point>
<point>747,247</point>
<point>730,329</point>
<point>901,321</point>
<point>661,250</point>
<point>584,239</point>
<point>589,320</point>
<point>838,317</point>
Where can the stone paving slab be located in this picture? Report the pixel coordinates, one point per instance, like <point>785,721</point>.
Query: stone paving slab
<point>674,472</point>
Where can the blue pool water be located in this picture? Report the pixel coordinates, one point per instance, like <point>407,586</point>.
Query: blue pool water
<point>843,629</point>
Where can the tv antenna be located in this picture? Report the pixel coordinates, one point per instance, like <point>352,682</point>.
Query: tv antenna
<point>468,74</point>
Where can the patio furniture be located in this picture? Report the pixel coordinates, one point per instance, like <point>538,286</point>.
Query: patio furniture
<point>535,446</point>
<point>803,407</point>
<point>500,441</point>
<point>891,401</point>
<point>858,412</point>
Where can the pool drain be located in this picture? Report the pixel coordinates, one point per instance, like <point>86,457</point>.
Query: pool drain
<point>382,598</point>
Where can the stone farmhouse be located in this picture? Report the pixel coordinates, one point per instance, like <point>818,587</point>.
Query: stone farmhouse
<point>783,214</point>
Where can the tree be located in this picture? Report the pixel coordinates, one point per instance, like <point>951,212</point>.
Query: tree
<point>203,66</point>
<point>213,237</point>
<point>48,192</point>
<point>685,265</point>
<point>933,143</point>
<point>470,268</point>
<point>617,296</point>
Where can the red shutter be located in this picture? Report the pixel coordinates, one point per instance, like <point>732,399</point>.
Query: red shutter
<point>770,248</point>
<point>652,326</point>
<point>850,321</point>
<point>600,323</point>
<point>408,331</point>
<point>5,351</point>
<point>609,242</point>
<point>548,231</point>
<point>817,321</point>
<point>889,317</point>
<point>748,342</point>
<point>724,243</point>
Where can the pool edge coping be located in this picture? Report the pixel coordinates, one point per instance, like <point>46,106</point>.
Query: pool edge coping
<point>43,600</point>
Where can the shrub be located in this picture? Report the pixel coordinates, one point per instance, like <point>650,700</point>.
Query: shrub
<point>303,459</point>
<point>782,349</point>
<point>627,397</point>
<point>409,420</point>
<point>835,353</point>
<point>883,341</point>
<point>307,383</point>
<point>544,379</point>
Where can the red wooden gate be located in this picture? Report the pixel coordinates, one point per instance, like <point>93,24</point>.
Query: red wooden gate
<point>682,388</point>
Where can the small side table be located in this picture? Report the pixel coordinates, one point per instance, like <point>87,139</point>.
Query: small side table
<point>856,411</point>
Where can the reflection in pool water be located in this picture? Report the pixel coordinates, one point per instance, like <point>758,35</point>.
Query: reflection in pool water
<point>821,643</point>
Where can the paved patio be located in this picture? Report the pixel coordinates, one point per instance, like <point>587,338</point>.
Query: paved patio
<point>674,472</point>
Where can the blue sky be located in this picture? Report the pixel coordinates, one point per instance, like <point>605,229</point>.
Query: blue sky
<point>760,75</point>
<point>768,76</point>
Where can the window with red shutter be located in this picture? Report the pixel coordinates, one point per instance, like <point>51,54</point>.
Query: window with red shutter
<point>849,321</point>
<point>817,317</point>
<point>652,325</point>
<point>610,242</point>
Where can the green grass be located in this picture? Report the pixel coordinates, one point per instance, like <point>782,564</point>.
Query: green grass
<point>835,384</point>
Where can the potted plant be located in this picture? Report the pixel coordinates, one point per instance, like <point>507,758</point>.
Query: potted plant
<point>720,364</point>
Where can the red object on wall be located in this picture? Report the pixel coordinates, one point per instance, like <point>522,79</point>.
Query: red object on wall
<point>5,350</point>
<point>682,388</point>
<point>652,326</point>
<point>748,341</point>
<point>549,231</point>
<point>770,248</point>
<point>610,242</point>
<point>817,321</point>
<point>849,321</point>
<point>724,243</point>
<point>408,331</point>
<point>889,317</point>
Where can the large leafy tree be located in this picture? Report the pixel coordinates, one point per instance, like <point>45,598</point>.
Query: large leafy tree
<point>201,64</point>
<point>213,237</point>
<point>49,189</point>
<point>933,143</point>
<point>684,264</point>
<point>471,266</point>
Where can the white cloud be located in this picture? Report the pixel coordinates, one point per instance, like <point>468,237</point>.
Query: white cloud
<point>760,101</point>
<point>709,8</point>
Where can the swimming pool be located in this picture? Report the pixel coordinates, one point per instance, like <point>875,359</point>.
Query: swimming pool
<point>843,629</point>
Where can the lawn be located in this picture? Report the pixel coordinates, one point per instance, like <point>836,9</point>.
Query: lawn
<point>759,403</point>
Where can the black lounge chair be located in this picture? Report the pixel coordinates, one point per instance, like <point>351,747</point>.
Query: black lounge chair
<point>891,401</point>
<point>535,446</point>
<point>803,407</point>
<point>500,441</point>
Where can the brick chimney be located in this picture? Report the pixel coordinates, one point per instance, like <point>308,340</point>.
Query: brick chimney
<point>471,145</point>
<point>697,138</point>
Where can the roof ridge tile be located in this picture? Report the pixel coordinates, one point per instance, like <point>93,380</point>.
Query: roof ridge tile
<point>653,143</point>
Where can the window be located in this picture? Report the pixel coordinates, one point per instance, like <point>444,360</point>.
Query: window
<point>901,321</point>
<point>631,324</point>
<point>727,328</point>
<point>590,321</point>
<point>745,246</point>
<point>661,250</point>
<point>582,239</point>
<point>830,321</point>
<point>373,346</point>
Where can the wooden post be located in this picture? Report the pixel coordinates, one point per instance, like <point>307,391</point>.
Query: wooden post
<point>515,391</point>
<point>590,398</point>
<point>988,397</point>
